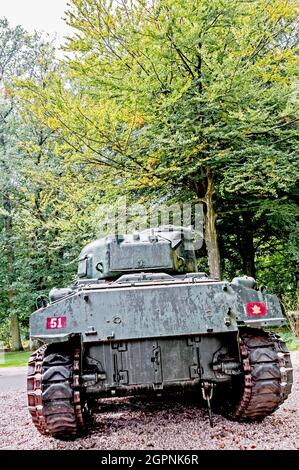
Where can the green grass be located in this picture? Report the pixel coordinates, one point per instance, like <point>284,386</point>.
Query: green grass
<point>14,359</point>
<point>291,340</point>
<point>287,335</point>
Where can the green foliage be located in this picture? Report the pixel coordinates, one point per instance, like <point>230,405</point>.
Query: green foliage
<point>154,95</point>
<point>286,334</point>
<point>4,330</point>
<point>170,90</point>
<point>43,203</point>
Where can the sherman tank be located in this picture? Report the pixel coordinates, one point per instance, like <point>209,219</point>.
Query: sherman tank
<point>140,319</point>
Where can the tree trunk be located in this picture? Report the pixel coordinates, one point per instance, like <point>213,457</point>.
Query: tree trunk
<point>16,343</point>
<point>211,238</point>
<point>246,246</point>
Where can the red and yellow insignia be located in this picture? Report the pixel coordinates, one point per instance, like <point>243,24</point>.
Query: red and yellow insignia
<point>256,309</point>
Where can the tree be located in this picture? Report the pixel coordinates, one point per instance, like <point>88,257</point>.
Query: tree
<point>53,202</point>
<point>21,56</point>
<point>173,101</point>
<point>184,98</point>
<point>11,63</point>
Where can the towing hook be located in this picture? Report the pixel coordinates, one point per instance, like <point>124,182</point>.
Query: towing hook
<point>207,389</point>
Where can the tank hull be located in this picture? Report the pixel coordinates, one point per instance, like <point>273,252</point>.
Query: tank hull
<point>157,363</point>
<point>150,335</point>
<point>139,310</point>
<point>154,334</point>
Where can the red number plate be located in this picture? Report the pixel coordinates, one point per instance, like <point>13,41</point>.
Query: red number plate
<point>56,323</point>
<point>256,309</point>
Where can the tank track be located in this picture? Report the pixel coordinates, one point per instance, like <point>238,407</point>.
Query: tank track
<point>53,390</point>
<point>268,375</point>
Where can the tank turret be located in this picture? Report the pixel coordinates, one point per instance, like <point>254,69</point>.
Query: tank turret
<point>167,248</point>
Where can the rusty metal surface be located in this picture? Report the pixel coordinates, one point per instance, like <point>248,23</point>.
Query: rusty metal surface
<point>34,390</point>
<point>54,393</point>
<point>268,375</point>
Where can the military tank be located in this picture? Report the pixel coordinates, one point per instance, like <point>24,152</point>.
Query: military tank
<point>140,319</point>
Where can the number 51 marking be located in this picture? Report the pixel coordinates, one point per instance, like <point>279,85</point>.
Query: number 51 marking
<point>56,323</point>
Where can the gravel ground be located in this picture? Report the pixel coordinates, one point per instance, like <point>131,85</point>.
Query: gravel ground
<point>167,424</point>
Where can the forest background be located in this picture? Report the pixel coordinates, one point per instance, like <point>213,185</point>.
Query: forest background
<point>161,102</point>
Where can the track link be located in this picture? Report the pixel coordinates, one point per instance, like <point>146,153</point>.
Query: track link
<point>53,385</point>
<point>268,375</point>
